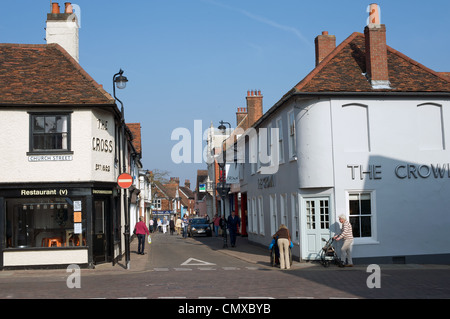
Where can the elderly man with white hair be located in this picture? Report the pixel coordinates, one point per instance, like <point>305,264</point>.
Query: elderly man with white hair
<point>347,236</point>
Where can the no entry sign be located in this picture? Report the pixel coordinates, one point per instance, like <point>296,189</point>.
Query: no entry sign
<point>125,180</point>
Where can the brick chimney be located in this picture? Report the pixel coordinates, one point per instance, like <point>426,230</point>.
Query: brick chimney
<point>325,43</point>
<point>187,183</point>
<point>63,29</point>
<point>376,51</point>
<point>240,115</point>
<point>254,107</point>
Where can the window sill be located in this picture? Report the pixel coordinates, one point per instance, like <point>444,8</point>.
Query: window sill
<point>365,241</point>
<point>53,152</point>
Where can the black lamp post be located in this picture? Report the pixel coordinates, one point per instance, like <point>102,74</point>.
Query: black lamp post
<point>222,187</point>
<point>120,82</point>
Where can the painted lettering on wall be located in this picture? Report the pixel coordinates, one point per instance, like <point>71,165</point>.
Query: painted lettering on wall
<point>102,145</point>
<point>403,171</point>
<point>415,171</point>
<point>361,172</point>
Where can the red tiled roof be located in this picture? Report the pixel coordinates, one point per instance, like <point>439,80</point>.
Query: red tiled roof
<point>135,129</point>
<point>45,75</point>
<point>343,70</point>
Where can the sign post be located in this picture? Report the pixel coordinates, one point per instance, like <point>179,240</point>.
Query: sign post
<point>125,181</point>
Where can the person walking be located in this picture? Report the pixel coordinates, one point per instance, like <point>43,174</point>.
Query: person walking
<point>164,225</point>
<point>284,241</point>
<point>184,225</point>
<point>150,226</point>
<point>216,224</point>
<point>223,227</point>
<point>347,236</point>
<point>233,223</point>
<point>171,225</point>
<point>178,225</point>
<point>141,231</point>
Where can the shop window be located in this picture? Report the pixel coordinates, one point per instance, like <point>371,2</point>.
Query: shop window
<point>49,132</point>
<point>46,223</point>
<point>360,206</point>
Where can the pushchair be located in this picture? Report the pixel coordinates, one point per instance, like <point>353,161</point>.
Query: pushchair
<point>328,254</point>
<point>275,253</point>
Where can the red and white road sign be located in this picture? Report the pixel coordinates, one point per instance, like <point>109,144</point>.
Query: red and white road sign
<point>125,180</point>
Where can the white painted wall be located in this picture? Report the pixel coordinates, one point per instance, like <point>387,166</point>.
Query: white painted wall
<point>84,129</point>
<point>66,34</point>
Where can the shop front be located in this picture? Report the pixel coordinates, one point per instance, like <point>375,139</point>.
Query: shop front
<point>53,225</point>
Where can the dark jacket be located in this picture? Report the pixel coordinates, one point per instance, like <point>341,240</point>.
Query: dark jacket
<point>282,233</point>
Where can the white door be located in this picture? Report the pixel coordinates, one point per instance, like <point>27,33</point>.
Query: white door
<point>315,225</point>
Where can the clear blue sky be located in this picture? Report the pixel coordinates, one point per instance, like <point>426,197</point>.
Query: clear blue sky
<point>195,59</point>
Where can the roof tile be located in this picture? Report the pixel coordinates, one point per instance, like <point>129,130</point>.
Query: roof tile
<point>45,74</point>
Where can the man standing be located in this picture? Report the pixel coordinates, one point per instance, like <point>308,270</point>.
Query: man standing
<point>233,223</point>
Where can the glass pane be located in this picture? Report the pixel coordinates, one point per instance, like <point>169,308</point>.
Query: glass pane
<point>354,207</point>
<point>50,124</point>
<point>354,221</point>
<point>61,124</point>
<point>38,124</point>
<point>366,227</point>
<point>38,142</point>
<point>366,207</point>
<point>324,215</point>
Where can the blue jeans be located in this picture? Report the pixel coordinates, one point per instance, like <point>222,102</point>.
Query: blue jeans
<point>216,230</point>
<point>141,243</point>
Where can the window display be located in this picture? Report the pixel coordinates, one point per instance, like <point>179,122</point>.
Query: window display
<point>45,222</point>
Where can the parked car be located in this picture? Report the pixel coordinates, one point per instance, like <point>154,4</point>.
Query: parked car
<point>199,226</point>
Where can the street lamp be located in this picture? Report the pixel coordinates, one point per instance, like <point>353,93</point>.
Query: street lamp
<point>222,187</point>
<point>222,127</point>
<point>121,82</point>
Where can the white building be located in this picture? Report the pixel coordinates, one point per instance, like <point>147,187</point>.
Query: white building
<point>62,149</point>
<point>365,134</point>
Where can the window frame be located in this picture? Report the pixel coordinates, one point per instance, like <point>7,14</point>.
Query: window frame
<point>32,116</point>
<point>292,138</point>
<point>373,238</point>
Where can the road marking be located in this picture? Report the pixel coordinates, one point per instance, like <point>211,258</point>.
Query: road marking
<point>183,269</point>
<point>230,268</point>
<point>196,262</point>
<point>161,269</point>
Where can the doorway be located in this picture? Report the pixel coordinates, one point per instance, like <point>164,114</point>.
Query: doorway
<point>316,225</point>
<point>101,228</point>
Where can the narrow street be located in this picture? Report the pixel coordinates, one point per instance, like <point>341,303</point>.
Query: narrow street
<point>198,268</point>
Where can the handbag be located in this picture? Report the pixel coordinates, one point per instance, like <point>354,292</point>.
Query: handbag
<point>149,239</point>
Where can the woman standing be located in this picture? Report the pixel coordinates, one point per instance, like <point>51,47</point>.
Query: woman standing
<point>284,241</point>
<point>141,230</point>
<point>347,236</point>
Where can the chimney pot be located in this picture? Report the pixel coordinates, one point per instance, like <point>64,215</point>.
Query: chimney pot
<point>55,8</point>
<point>374,14</point>
<point>324,32</point>
<point>69,7</point>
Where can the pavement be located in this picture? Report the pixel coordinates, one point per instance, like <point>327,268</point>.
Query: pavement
<point>247,251</point>
<point>244,250</point>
